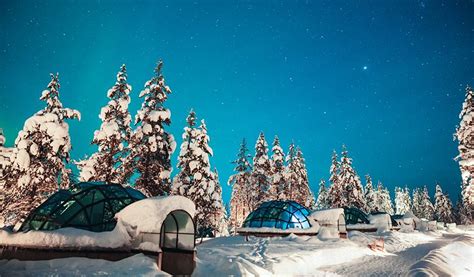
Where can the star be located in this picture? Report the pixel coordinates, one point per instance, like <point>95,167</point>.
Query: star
<point>364,67</point>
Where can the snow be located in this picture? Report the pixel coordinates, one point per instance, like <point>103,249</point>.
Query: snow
<point>138,265</point>
<point>292,255</point>
<point>454,259</point>
<point>418,253</point>
<point>156,116</point>
<point>147,215</point>
<point>68,238</point>
<point>327,216</point>
<point>311,255</point>
<point>380,221</point>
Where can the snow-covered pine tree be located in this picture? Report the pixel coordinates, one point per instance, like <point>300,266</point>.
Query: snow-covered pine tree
<point>353,191</point>
<point>383,201</point>
<point>219,221</point>
<point>151,145</point>
<point>398,200</point>
<point>188,159</point>
<point>261,171</point>
<point>301,192</point>
<point>112,139</point>
<point>196,181</point>
<point>277,188</point>
<point>402,200</point>
<point>427,208</point>
<point>443,206</point>
<point>241,200</point>
<point>417,206</point>
<point>369,195</point>
<point>205,188</point>
<point>322,202</point>
<point>464,213</point>
<point>40,156</point>
<point>5,171</point>
<point>336,197</point>
<point>465,136</point>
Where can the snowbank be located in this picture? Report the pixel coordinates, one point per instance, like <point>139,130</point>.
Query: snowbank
<point>119,237</point>
<point>327,216</point>
<point>454,259</point>
<point>138,265</point>
<point>394,242</point>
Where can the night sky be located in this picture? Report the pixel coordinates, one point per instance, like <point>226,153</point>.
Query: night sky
<point>386,78</point>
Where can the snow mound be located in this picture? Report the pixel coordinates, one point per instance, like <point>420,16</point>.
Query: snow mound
<point>147,215</point>
<point>138,265</point>
<point>394,242</point>
<point>68,238</point>
<point>327,216</point>
<point>454,259</point>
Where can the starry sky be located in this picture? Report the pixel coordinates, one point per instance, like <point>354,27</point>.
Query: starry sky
<point>386,78</point>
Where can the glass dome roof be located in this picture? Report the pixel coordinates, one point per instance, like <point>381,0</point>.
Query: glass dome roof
<point>355,216</point>
<point>278,214</point>
<point>89,206</point>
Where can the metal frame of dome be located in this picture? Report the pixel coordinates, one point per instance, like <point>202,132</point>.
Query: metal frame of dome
<point>355,216</point>
<point>89,206</point>
<point>278,214</point>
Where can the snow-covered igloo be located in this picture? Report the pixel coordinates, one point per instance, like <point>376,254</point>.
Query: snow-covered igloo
<point>162,227</point>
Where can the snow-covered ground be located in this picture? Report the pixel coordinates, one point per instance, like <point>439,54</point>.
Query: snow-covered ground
<point>304,255</point>
<point>442,253</point>
<point>138,265</point>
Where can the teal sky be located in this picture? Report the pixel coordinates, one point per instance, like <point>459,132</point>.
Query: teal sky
<point>386,78</point>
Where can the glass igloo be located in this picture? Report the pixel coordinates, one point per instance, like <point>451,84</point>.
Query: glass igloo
<point>89,206</point>
<point>355,216</point>
<point>280,215</point>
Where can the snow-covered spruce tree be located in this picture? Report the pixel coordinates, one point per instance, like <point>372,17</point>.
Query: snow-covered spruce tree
<point>151,145</point>
<point>383,199</point>
<point>196,180</point>
<point>417,206</point>
<point>5,172</point>
<point>40,156</point>
<point>427,208</point>
<point>353,191</point>
<point>205,186</point>
<point>241,200</point>
<point>465,136</point>
<point>464,213</point>
<point>188,159</point>
<point>369,195</point>
<point>443,206</point>
<point>219,221</point>
<point>407,199</point>
<point>402,200</point>
<point>261,172</point>
<point>112,139</point>
<point>277,188</point>
<point>322,201</point>
<point>301,193</point>
<point>336,194</point>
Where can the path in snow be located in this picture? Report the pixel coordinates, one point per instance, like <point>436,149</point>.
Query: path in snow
<point>393,265</point>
